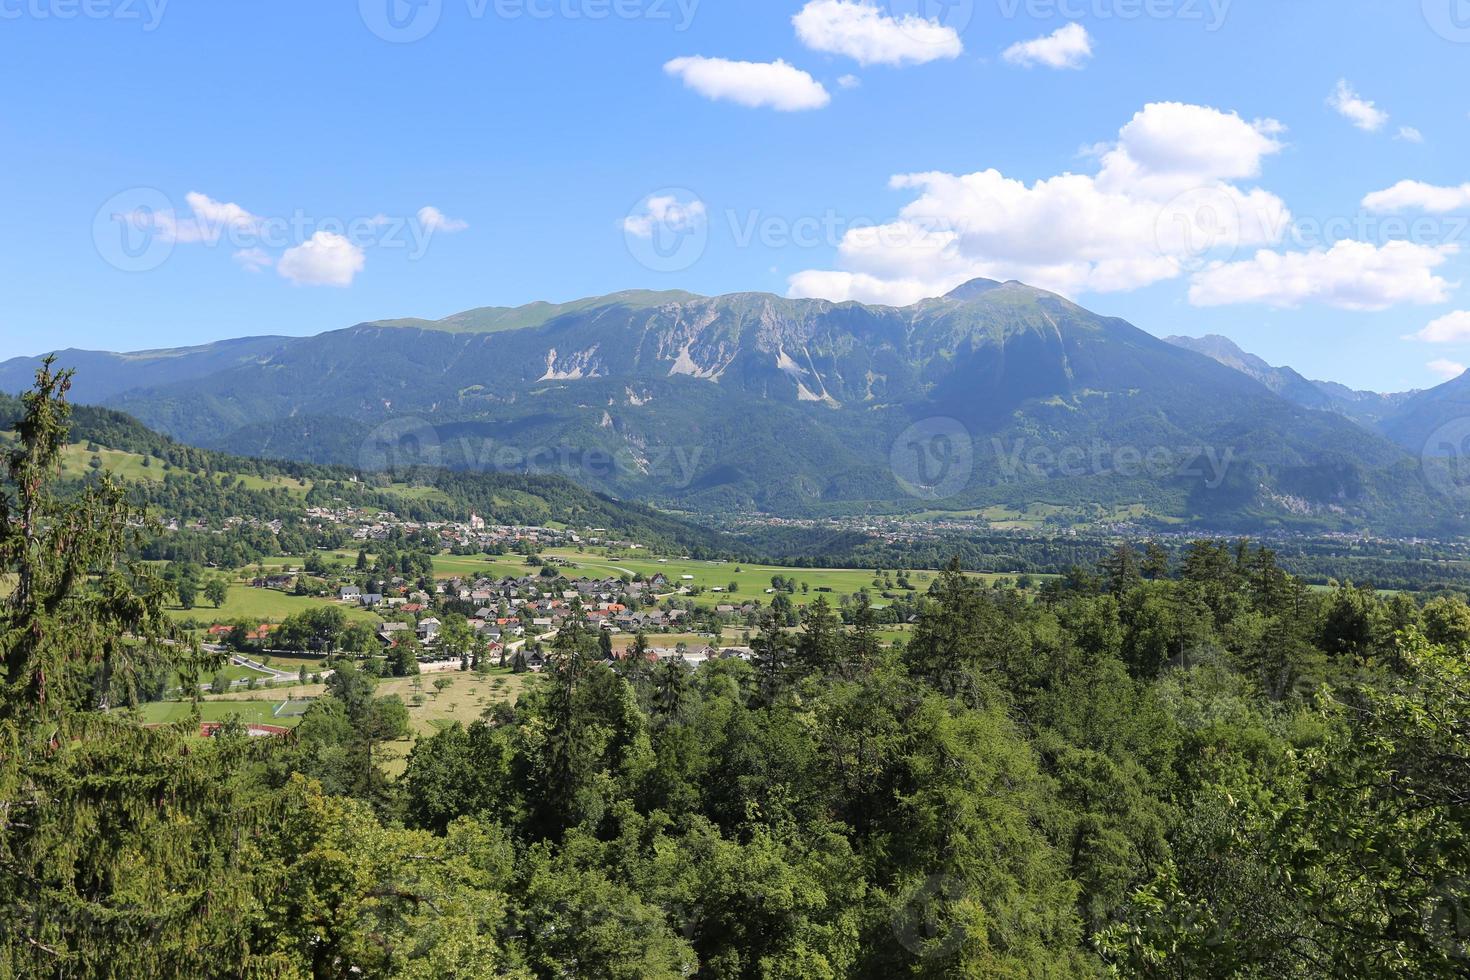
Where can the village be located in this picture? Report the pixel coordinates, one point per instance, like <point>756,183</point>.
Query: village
<point>453,620</point>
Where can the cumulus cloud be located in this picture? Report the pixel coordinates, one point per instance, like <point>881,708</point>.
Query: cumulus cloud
<point>870,36</point>
<point>776,85</point>
<point>849,81</point>
<point>1446,369</point>
<point>1410,135</point>
<point>432,219</point>
<point>665,212</point>
<point>1163,197</point>
<point>1413,195</point>
<point>1068,47</point>
<point>1452,328</point>
<point>326,259</point>
<point>1350,276</point>
<point>1356,109</point>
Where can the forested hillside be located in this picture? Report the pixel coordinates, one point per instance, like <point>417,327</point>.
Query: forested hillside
<point>1196,768</point>
<point>201,484</point>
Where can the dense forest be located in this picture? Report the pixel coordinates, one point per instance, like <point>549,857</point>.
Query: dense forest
<point>1169,767</point>
<point>1416,565</point>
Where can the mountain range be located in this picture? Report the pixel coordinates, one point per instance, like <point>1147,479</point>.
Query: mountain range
<point>1369,407</point>
<point>997,398</point>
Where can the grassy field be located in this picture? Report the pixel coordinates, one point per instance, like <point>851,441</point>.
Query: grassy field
<point>449,566</point>
<point>751,581</point>
<point>263,606</point>
<point>344,558</point>
<point>77,461</point>
<point>292,664</point>
<point>694,641</point>
<point>465,698</point>
<point>733,636</point>
<point>252,712</point>
<point>235,672</point>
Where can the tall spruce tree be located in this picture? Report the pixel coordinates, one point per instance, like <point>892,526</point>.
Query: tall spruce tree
<point>124,851</point>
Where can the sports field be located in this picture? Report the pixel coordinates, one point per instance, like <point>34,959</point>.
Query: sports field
<point>251,712</point>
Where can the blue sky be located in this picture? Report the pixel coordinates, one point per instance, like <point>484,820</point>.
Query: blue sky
<point>285,167</point>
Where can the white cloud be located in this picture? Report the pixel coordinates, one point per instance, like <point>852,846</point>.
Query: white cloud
<point>1452,328</point>
<point>211,217</point>
<point>1410,135</point>
<point>1068,47</point>
<point>842,287</point>
<point>749,83</point>
<point>849,81</point>
<point>1447,369</point>
<point>1350,276</point>
<point>253,259</point>
<point>1356,109</point>
<point>208,220</point>
<point>1182,145</point>
<point>867,34</point>
<point>326,259</point>
<point>1162,197</point>
<point>1413,195</point>
<point>664,211</point>
<point>433,219</point>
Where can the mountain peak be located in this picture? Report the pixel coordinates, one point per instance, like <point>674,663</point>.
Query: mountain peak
<point>1227,352</point>
<point>973,289</point>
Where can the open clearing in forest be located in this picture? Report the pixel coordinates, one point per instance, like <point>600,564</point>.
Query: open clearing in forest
<point>466,696</point>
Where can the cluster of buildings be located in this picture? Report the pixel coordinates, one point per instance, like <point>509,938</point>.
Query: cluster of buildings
<point>475,533</point>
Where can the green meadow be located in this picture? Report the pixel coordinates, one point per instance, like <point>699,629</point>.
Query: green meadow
<point>750,581</point>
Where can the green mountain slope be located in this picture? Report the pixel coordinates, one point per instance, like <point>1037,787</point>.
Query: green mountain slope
<point>102,375</point>
<point>1007,394</point>
<point>1365,407</point>
<point>195,483</point>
